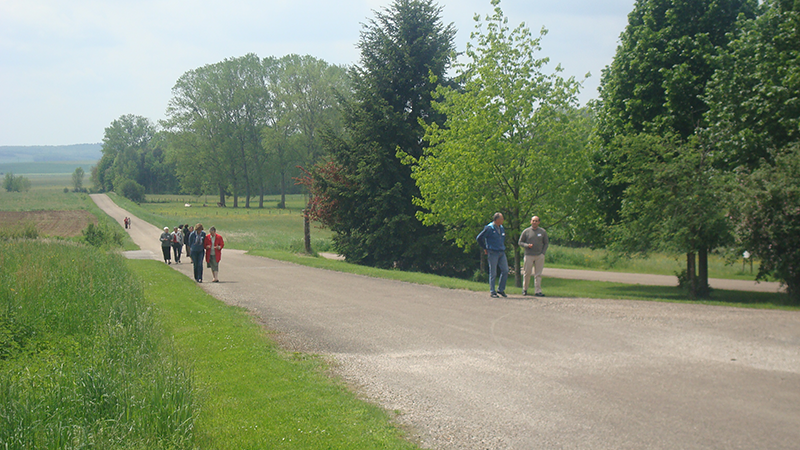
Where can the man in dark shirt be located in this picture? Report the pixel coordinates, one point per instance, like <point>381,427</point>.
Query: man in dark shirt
<point>492,241</point>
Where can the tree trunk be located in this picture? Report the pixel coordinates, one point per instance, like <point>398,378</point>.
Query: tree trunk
<point>307,232</point>
<point>702,290</point>
<point>282,204</point>
<point>691,274</point>
<point>483,260</point>
<point>221,196</point>
<point>517,274</point>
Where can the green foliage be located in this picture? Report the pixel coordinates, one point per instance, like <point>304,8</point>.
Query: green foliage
<point>767,218</point>
<point>671,200</point>
<point>657,80</point>
<point>82,364</point>
<point>513,140</point>
<point>102,236</point>
<point>374,220</point>
<point>754,96</point>
<point>130,190</point>
<point>77,179</point>
<point>12,183</point>
<point>132,150</point>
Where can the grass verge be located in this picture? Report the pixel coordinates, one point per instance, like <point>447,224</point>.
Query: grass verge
<point>83,363</point>
<point>254,395</point>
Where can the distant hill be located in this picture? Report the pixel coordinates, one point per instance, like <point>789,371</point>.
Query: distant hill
<point>50,153</point>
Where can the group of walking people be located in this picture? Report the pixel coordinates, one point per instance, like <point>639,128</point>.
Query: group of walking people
<point>200,246</point>
<point>533,240</point>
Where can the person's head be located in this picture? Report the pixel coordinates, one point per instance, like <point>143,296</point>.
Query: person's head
<point>498,218</point>
<point>198,227</point>
<point>213,231</point>
<point>166,229</point>
<point>177,228</point>
<point>535,222</point>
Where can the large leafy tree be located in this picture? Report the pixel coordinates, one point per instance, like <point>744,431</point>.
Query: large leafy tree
<point>754,96</point>
<point>656,85</point>
<point>375,219</point>
<point>513,141</point>
<point>306,92</point>
<point>215,119</point>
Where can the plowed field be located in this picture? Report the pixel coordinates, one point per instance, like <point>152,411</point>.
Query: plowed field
<point>49,223</point>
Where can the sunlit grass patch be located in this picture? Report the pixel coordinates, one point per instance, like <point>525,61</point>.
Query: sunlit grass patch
<point>253,394</point>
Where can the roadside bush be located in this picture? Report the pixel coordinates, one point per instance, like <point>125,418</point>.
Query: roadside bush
<point>102,236</point>
<point>82,361</point>
<point>130,190</point>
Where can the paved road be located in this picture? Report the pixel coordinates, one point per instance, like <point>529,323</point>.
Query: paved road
<point>466,372</point>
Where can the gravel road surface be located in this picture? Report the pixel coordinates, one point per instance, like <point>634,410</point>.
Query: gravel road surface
<point>464,371</point>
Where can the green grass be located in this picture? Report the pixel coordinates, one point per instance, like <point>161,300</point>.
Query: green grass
<point>554,287</point>
<point>244,229</point>
<point>657,263</point>
<point>252,394</point>
<point>83,363</point>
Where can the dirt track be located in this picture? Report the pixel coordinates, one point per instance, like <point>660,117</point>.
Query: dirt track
<point>466,372</point>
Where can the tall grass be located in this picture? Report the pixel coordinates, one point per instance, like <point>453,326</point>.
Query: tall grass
<point>82,361</point>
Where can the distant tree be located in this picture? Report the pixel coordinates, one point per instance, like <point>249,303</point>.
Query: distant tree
<point>77,179</point>
<point>130,189</point>
<point>133,150</point>
<point>767,217</point>
<point>13,183</point>
<point>513,141</point>
<point>375,221</point>
<point>215,119</point>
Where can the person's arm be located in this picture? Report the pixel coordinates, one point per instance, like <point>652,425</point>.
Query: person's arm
<point>522,241</point>
<point>546,243</point>
<point>481,238</point>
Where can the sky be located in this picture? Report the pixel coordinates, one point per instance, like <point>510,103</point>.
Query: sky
<point>70,68</point>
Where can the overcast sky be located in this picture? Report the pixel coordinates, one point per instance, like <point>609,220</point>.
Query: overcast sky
<point>69,68</point>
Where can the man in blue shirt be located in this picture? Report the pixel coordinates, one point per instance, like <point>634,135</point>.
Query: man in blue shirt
<point>492,241</point>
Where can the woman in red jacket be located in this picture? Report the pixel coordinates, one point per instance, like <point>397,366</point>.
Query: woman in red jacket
<point>213,245</point>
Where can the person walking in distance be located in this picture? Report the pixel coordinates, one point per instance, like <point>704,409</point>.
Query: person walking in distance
<point>187,230</point>
<point>213,245</point>
<point>177,244</point>
<point>534,240</point>
<point>492,240</point>
<point>196,241</point>
<point>166,245</point>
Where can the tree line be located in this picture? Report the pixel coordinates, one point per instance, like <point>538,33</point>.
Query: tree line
<point>233,128</point>
<point>691,147</point>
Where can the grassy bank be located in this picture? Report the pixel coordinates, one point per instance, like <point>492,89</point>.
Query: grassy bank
<point>252,394</point>
<point>83,363</point>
